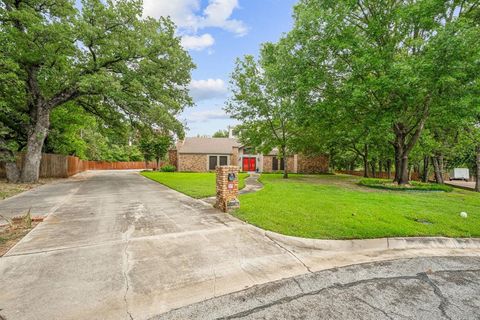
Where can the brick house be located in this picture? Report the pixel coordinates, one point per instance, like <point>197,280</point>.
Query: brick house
<point>205,154</point>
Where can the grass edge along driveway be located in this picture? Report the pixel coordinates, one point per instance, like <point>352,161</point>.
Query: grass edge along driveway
<point>194,184</point>
<point>336,207</point>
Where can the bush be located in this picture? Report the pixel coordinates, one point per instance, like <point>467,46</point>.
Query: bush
<point>168,168</point>
<point>413,186</point>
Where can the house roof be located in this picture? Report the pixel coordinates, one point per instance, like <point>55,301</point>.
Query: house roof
<point>207,145</point>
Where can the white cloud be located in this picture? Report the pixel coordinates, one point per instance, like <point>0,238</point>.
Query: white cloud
<point>207,89</point>
<point>182,12</point>
<point>204,116</point>
<point>190,18</point>
<point>198,43</point>
<point>217,14</point>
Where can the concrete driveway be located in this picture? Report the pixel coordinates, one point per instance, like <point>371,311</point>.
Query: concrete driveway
<point>469,185</point>
<point>116,245</point>
<point>119,246</point>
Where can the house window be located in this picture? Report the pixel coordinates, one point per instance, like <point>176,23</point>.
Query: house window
<point>212,162</point>
<point>278,164</point>
<point>274,164</point>
<point>223,160</point>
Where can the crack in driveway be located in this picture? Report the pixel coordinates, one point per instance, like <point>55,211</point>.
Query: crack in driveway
<point>126,268</point>
<point>423,277</point>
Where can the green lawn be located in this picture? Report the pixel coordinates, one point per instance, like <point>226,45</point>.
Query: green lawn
<point>196,185</point>
<point>336,207</point>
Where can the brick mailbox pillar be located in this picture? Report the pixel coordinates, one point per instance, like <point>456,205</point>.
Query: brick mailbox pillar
<point>227,188</point>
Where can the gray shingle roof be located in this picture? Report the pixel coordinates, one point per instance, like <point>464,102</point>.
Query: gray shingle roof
<point>207,145</point>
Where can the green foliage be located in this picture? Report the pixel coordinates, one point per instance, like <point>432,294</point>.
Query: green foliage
<point>154,145</point>
<point>365,81</point>
<point>8,145</point>
<point>264,101</point>
<point>76,132</point>
<point>413,186</point>
<point>336,207</point>
<point>386,65</point>
<point>70,127</point>
<point>168,168</point>
<point>221,134</point>
<point>103,55</point>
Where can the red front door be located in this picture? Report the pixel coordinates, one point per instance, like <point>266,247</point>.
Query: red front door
<point>249,164</point>
<point>246,164</point>
<point>253,164</point>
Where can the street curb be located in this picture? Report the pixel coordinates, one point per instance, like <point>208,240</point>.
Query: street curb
<point>396,243</point>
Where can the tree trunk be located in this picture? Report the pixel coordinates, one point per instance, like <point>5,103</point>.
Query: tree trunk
<point>403,174</point>
<point>389,169</point>
<point>332,160</point>
<point>11,169</point>
<point>285,162</point>
<point>372,164</point>
<point>441,164</point>
<point>425,169</point>
<point>36,138</point>
<point>380,165</point>
<point>365,161</point>
<point>401,162</point>
<point>403,145</point>
<point>477,180</point>
<point>352,164</point>
<point>397,165</point>
<point>437,170</point>
<point>12,172</point>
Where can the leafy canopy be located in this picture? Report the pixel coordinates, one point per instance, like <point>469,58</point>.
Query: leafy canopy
<point>103,55</point>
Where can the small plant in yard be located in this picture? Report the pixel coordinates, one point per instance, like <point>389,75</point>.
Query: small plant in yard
<point>413,186</point>
<point>15,229</point>
<point>168,168</point>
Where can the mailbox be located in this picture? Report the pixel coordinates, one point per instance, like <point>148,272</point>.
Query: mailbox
<point>227,188</point>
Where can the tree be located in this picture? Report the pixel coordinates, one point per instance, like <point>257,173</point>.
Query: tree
<point>105,57</point>
<point>398,62</point>
<point>477,173</point>
<point>221,134</point>
<point>263,103</point>
<point>155,145</point>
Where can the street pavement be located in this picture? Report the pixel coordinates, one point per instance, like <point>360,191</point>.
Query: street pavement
<point>433,288</point>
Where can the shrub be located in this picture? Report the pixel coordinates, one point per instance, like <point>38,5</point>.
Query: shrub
<point>413,186</point>
<point>168,168</point>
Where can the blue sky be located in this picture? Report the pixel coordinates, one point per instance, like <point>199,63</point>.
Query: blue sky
<point>216,32</point>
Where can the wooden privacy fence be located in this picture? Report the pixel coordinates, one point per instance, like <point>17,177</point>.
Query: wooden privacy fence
<point>59,166</point>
